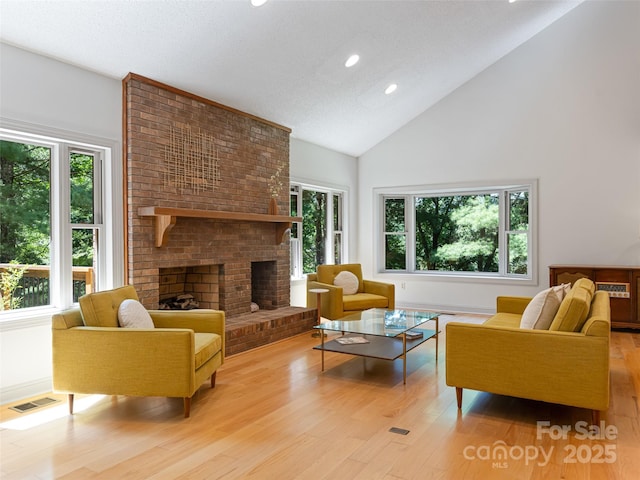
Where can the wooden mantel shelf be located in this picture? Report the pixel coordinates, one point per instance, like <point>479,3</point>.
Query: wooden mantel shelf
<point>165,219</point>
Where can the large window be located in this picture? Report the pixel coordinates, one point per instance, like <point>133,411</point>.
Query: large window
<point>319,238</point>
<point>485,231</point>
<point>53,238</point>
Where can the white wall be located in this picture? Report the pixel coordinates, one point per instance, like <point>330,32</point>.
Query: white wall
<point>563,108</point>
<point>46,93</point>
<point>310,163</point>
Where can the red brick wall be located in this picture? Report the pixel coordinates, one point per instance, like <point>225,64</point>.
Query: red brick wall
<point>249,149</point>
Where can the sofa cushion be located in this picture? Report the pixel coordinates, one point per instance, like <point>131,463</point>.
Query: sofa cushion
<point>511,320</point>
<point>206,345</point>
<point>364,301</point>
<point>131,314</point>
<point>586,284</point>
<point>599,322</point>
<point>573,310</point>
<point>541,310</point>
<point>348,281</point>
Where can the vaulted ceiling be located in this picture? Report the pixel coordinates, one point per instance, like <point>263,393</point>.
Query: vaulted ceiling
<point>284,61</point>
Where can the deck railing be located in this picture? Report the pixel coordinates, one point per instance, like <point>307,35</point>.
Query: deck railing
<point>33,288</point>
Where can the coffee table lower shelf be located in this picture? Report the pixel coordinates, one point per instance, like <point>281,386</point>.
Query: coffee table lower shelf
<point>384,348</point>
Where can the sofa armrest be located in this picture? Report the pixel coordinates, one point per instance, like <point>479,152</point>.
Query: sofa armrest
<point>558,367</point>
<point>332,305</point>
<point>381,288</point>
<point>124,361</point>
<point>199,320</point>
<point>67,319</point>
<point>515,305</point>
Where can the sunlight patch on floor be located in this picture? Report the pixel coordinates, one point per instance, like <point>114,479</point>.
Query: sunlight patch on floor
<point>30,420</point>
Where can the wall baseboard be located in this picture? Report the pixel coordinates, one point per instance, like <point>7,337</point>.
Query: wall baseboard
<point>25,390</point>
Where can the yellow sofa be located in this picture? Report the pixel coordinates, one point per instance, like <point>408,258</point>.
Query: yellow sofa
<point>93,355</point>
<point>335,305</point>
<point>567,364</point>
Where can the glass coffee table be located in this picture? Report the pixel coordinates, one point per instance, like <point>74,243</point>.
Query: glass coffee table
<point>379,333</point>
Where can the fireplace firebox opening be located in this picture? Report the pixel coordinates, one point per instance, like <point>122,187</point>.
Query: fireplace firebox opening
<point>264,284</point>
<point>189,287</point>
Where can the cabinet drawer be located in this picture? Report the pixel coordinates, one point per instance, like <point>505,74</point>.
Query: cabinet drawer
<point>614,276</point>
<point>621,309</point>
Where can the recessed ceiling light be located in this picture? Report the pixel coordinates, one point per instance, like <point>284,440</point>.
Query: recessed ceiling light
<point>391,88</point>
<point>352,60</point>
<point>258,3</point>
<point>512,1</point>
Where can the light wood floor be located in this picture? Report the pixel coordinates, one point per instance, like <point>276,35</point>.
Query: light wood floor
<point>274,415</point>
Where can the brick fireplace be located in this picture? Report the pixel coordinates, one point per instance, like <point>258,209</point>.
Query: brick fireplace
<point>227,263</point>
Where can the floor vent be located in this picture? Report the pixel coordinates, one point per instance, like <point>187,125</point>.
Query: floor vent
<point>400,431</point>
<point>26,407</point>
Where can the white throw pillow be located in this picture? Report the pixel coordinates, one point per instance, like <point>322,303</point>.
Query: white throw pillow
<point>131,314</point>
<point>348,281</point>
<point>562,290</point>
<point>540,312</point>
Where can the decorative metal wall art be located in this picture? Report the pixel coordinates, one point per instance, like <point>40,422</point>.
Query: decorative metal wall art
<point>191,160</point>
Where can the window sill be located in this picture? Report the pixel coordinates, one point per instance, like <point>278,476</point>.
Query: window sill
<point>31,317</point>
<point>459,278</point>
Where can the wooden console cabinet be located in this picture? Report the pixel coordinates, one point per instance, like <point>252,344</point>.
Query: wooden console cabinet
<point>622,283</point>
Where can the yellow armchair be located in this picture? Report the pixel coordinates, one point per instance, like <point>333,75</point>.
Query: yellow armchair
<point>93,355</point>
<point>335,304</point>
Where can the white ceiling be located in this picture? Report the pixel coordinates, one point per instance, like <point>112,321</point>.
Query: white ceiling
<point>285,60</point>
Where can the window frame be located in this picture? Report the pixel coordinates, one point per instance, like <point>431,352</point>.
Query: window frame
<point>297,264</point>
<point>108,218</point>
<point>409,193</point>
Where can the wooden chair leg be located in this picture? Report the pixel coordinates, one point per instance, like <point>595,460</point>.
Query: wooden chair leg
<point>595,417</point>
<point>459,397</point>
<point>187,407</point>
<point>213,379</point>
<point>70,402</point>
